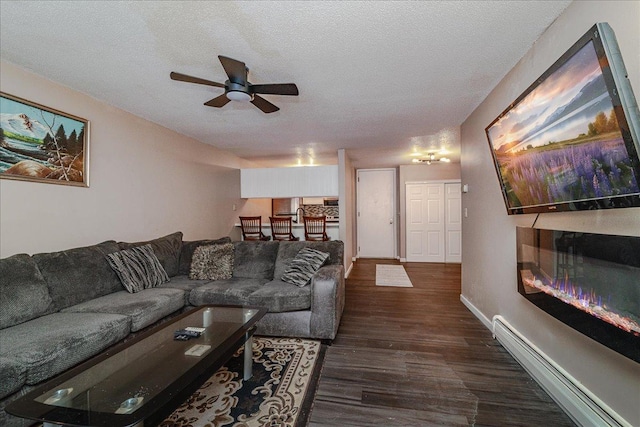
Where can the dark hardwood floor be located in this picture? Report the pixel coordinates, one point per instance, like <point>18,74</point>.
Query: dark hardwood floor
<point>418,357</point>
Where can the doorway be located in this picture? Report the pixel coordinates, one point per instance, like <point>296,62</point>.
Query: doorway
<point>376,218</point>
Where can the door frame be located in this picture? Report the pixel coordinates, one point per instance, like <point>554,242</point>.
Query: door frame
<point>394,207</point>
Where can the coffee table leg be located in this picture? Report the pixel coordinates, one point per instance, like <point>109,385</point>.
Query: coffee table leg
<point>248,357</point>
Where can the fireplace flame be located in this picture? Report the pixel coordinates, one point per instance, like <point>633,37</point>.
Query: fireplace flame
<point>586,300</point>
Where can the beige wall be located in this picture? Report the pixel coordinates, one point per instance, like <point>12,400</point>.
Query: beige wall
<point>145,181</point>
<point>419,173</point>
<point>489,266</point>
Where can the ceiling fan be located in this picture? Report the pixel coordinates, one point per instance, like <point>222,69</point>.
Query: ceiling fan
<point>238,88</point>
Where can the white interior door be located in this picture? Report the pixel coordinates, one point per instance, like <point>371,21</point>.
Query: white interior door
<point>453,222</point>
<point>433,222</point>
<point>416,222</point>
<point>376,213</point>
<point>425,232</point>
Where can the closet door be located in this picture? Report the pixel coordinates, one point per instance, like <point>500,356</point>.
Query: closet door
<point>453,222</point>
<point>425,232</point>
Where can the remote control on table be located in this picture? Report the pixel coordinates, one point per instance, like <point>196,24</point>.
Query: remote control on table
<point>184,334</point>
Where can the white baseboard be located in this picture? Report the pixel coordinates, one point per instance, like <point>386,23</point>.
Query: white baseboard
<point>472,308</point>
<point>403,260</point>
<point>577,401</point>
<point>346,273</point>
<point>584,408</point>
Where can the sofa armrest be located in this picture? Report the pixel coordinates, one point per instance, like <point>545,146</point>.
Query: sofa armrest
<point>327,301</point>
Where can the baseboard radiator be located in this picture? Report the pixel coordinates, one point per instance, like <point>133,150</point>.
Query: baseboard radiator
<point>578,402</point>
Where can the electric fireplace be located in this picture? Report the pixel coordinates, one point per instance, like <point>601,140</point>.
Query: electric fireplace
<point>589,281</point>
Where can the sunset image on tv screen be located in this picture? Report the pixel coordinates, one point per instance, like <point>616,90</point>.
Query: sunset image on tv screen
<point>562,141</point>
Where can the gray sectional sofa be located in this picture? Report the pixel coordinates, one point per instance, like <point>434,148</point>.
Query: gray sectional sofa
<point>59,309</point>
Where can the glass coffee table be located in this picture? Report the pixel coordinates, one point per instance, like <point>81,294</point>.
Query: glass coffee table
<point>141,381</point>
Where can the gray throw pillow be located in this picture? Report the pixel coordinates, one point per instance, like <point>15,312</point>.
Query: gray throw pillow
<point>138,268</point>
<point>304,266</point>
<point>166,248</point>
<point>212,262</point>
<point>186,253</point>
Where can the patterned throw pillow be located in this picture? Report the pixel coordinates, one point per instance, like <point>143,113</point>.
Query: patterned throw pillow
<point>212,262</point>
<point>303,266</point>
<point>138,268</point>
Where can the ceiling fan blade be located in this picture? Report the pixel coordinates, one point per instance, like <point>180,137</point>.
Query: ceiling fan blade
<point>218,101</point>
<point>264,105</point>
<point>236,70</point>
<point>276,89</point>
<point>190,79</point>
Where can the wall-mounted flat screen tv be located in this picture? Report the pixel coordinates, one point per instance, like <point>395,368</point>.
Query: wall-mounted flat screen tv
<point>571,140</point>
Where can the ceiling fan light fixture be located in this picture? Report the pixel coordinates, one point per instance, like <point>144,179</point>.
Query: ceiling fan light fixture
<point>236,95</point>
<point>238,88</point>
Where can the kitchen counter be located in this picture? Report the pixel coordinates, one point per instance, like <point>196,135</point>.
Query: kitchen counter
<point>298,230</point>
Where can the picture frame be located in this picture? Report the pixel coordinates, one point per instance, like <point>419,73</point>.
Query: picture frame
<point>42,144</point>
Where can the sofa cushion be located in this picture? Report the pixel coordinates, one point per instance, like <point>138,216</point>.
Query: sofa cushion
<point>143,308</point>
<point>23,291</point>
<point>232,291</point>
<point>13,377</point>
<point>138,268</point>
<point>53,343</point>
<point>186,253</point>
<point>278,296</point>
<point>78,274</point>
<point>288,251</point>
<point>303,266</point>
<point>166,248</point>
<point>184,283</point>
<point>254,259</point>
<point>212,262</point>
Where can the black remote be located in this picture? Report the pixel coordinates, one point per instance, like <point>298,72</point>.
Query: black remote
<point>192,334</point>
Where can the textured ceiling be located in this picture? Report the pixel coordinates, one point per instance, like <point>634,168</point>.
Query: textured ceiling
<point>376,78</point>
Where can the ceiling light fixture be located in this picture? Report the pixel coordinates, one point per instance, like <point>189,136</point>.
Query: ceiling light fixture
<point>431,157</point>
<point>236,95</point>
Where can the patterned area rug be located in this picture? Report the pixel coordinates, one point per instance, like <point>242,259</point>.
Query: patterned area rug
<point>280,393</point>
<point>392,275</point>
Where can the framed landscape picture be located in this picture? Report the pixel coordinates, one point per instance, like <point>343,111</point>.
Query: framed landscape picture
<point>40,144</point>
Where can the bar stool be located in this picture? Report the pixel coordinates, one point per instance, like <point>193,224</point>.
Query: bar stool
<point>252,228</point>
<point>315,228</point>
<point>281,228</point>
